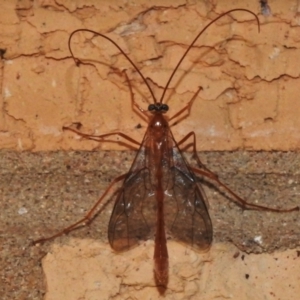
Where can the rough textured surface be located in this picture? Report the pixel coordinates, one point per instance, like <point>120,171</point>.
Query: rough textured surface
<point>249,100</point>
<point>45,191</point>
<point>221,273</point>
<point>249,80</point>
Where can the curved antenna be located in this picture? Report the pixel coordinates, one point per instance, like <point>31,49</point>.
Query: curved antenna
<point>120,49</point>
<point>196,38</point>
<point>178,64</point>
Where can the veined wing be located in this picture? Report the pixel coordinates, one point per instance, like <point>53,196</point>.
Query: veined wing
<point>186,216</point>
<point>134,215</point>
<point>135,212</point>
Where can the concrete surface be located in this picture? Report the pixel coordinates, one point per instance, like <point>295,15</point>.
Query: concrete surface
<point>249,101</point>
<point>44,192</point>
<point>249,80</point>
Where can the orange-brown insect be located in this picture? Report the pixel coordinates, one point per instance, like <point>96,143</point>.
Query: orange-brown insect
<point>160,195</point>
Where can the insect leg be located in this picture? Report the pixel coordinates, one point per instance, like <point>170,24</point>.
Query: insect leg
<point>86,219</point>
<point>99,138</point>
<point>204,171</point>
<point>243,202</point>
<point>134,105</point>
<point>195,155</point>
<point>187,107</point>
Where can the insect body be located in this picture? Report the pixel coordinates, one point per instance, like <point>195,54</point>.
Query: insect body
<point>160,183</point>
<point>159,196</point>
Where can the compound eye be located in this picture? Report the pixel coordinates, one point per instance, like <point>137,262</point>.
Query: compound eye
<point>151,107</point>
<point>164,107</point>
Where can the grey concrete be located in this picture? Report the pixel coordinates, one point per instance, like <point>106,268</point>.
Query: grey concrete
<point>44,192</point>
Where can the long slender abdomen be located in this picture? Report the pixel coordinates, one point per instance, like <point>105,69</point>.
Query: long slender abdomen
<point>161,257</point>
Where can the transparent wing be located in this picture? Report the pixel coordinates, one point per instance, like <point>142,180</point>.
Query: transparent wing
<point>134,216</point>
<point>186,216</point>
